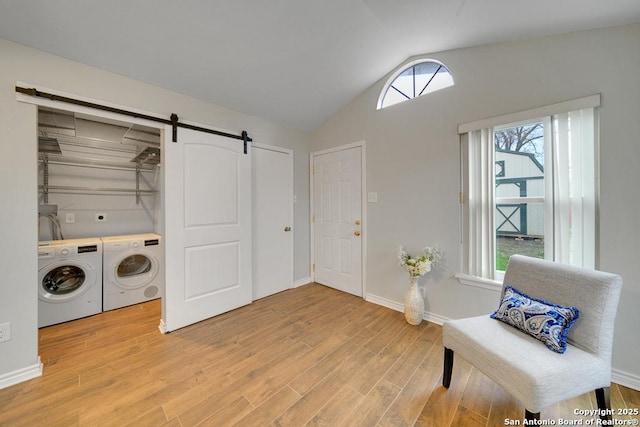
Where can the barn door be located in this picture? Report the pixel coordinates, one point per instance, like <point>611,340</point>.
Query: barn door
<point>207,227</point>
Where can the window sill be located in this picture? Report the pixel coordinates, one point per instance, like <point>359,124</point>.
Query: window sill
<point>478,282</point>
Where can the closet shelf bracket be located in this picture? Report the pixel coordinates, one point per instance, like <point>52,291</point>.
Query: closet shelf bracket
<point>138,183</point>
<point>45,178</point>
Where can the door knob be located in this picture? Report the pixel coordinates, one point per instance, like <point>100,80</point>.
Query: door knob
<point>356,233</point>
<point>287,228</point>
<point>357,222</point>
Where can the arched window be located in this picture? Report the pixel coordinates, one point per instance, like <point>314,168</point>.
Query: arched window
<point>415,79</point>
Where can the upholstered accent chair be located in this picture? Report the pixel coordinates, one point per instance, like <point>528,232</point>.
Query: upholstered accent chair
<point>521,364</point>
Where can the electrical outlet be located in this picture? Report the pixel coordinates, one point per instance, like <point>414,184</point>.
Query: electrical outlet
<point>101,217</point>
<point>5,332</point>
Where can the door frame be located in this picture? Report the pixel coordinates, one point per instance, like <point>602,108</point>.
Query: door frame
<point>288,152</point>
<point>363,215</point>
<point>106,115</point>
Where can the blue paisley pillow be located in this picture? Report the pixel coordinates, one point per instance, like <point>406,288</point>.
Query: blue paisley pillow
<point>542,320</point>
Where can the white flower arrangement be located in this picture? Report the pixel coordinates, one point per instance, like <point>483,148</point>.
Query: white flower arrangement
<point>420,265</point>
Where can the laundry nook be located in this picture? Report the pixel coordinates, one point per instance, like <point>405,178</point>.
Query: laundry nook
<point>99,193</point>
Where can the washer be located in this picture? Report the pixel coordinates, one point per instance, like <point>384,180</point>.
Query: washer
<point>69,280</point>
<point>132,270</point>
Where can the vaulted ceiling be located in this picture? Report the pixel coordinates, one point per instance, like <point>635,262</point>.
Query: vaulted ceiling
<point>293,62</point>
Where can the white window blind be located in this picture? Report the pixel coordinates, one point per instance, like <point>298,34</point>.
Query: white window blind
<point>481,203</point>
<point>575,188</point>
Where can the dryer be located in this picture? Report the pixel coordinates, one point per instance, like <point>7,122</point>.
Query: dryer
<point>69,280</point>
<point>132,269</point>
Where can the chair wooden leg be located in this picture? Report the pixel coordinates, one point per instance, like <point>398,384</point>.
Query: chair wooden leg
<point>531,416</point>
<point>604,403</point>
<point>448,367</point>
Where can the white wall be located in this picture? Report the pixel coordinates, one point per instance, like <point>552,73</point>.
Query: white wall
<point>18,174</point>
<point>413,162</point>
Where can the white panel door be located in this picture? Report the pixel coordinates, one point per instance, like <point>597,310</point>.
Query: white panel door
<point>207,227</point>
<point>337,210</point>
<point>272,220</point>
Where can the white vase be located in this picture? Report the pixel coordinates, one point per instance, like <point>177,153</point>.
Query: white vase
<point>413,303</point>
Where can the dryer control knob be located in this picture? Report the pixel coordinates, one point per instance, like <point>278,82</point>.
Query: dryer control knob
<point>135,244</point>
<point>65,251</point>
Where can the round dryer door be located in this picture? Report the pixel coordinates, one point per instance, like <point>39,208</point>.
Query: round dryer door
<point>134,270</point>
<point>63,281</point>
<point>134,265</point>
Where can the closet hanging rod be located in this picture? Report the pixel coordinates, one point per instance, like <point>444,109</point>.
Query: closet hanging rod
<point>173,121</point>
<point>66,188</point>
<point>96,164</point>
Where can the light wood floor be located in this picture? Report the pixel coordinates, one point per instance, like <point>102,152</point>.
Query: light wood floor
<point>308,356</point>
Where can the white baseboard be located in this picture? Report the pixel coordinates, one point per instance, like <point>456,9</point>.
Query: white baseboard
<point>384,302</point>
<point>429,317</point>
<point>434,318</point>
<point>626,379</point>
<point>20,375</point>
<point>301,282</point>
<point>162,327</point>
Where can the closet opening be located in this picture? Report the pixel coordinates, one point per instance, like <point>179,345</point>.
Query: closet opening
<point>99,215</point>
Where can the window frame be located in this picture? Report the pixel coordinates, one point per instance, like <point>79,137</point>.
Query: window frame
<point>396,74</point>
<point>470,131</point>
